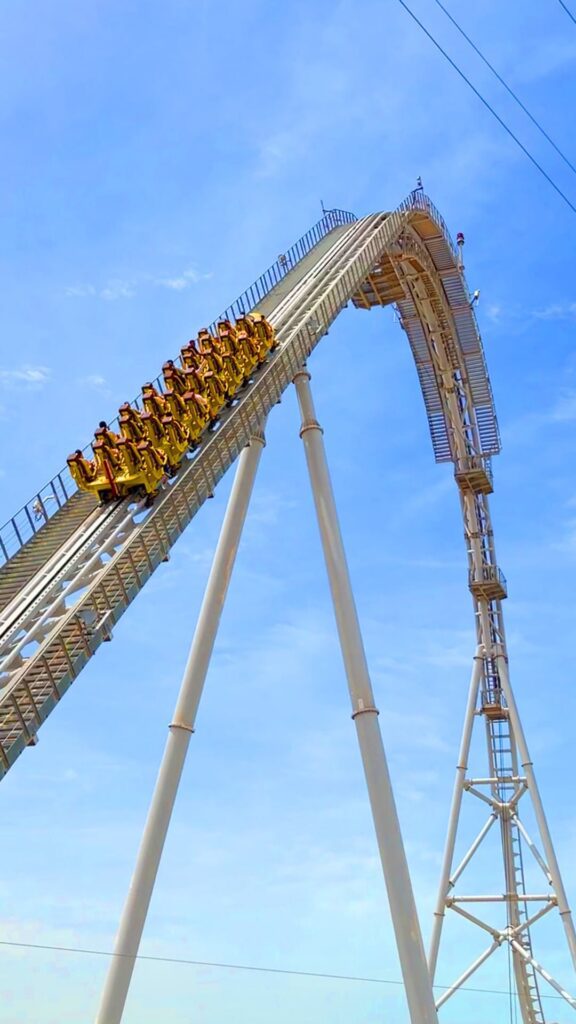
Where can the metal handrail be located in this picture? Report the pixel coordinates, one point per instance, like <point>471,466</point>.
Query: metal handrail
<point>29,519</point>
<point>489,574</point>
<point>470,463</point>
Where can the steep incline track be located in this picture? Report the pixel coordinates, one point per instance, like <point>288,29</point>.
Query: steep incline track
<point>64,591</point>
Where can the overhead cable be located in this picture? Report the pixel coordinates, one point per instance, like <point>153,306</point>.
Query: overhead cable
<point>509,90</point>
<point>568,12</point>
<point>241,967</point>
<point>489,107</point>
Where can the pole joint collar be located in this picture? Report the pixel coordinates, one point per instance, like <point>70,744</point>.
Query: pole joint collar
<point>361,710</point>
<point>181,725</point>
<point>301,373</point>
<point>312,425</point>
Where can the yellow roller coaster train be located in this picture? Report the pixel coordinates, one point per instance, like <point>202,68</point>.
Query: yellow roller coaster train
<point>152,444</point>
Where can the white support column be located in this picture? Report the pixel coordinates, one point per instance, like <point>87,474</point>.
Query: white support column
<point>401,898</point>
<point>548,846</point>
<point>182,726</point>
<point>461,770</point>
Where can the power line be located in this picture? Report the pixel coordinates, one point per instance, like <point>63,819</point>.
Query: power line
<point>243,967</point>
<point>506,86</point>
<point>490,108</point>
<point>568,12</point>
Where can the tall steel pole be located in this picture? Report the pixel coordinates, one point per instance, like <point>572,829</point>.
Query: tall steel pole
<point>182,726</point>
<point>415,972</point>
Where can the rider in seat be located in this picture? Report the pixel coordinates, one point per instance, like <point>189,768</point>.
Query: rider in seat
<point>198,414</point>
<point>154,401</point>
<point>131,424</point>
<point>174,377</point>
<point>107,436</point>
<point>82,470</point>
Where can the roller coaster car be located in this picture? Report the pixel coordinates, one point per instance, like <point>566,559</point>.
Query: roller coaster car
<point>175,405</point>
<point>231,372</point>
<point>131,425</point>
<point>245,352</point>
<point>142,470</point>
<point>212,360</point>
<point>103,433</point>
<point>209,385</point>
<point>174,378</point>
<point>153,401</point>
<point>234,356</point>
<point>82,470</point>
<point>170,436</point>
<point>153,443</point>
<point>197,414</point>
<point>97,477</point>
<point>264,329</point>
<point>260,331</point>
<point>153,429</point>
<point>191,357</point>
<point>205,340</point>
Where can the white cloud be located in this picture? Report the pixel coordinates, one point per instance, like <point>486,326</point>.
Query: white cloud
<point>28,377</point>
<point>95,382</point>
<point>184,280</point>
<point>556,311</point>
<point>117,289</point>
<point>565,409</point>
<point>80,290</point>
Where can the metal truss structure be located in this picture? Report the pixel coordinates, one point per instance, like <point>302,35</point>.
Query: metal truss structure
<point>63,589</point>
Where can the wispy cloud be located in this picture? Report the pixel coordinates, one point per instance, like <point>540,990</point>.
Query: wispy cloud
<point>95,382</point>
<point>80,291</point>
<point>184,280</point>
<point>565,408</point>
<point>26,377</point>
<point>127,288</point>
<point>118,289</point>
<point>494,312</point>
<point>115,289</point>
<point>556,311</point>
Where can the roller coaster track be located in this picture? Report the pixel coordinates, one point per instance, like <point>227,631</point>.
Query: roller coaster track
<point>65,588</point>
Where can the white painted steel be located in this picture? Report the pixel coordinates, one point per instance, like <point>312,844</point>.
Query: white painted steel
<point>461,770</point>
<point>182,726</point>
<point>472,850</point>
<point>544,974</point>
<point>417,981</point>
<point>538,806</point>
<point>84,571</point>
<point>467,974</point>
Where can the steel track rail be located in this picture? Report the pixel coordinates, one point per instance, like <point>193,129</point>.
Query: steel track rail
<point>30,602</point>
<point>36,686</point>
<point>436,343</point>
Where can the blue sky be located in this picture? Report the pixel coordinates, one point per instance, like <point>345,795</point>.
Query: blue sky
<point>156,158</point>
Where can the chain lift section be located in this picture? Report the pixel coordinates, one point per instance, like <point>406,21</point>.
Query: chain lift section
<point>54,620</point>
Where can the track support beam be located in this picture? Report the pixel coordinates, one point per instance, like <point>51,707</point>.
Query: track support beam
<point>181,728</point>
<point>395,867</point>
